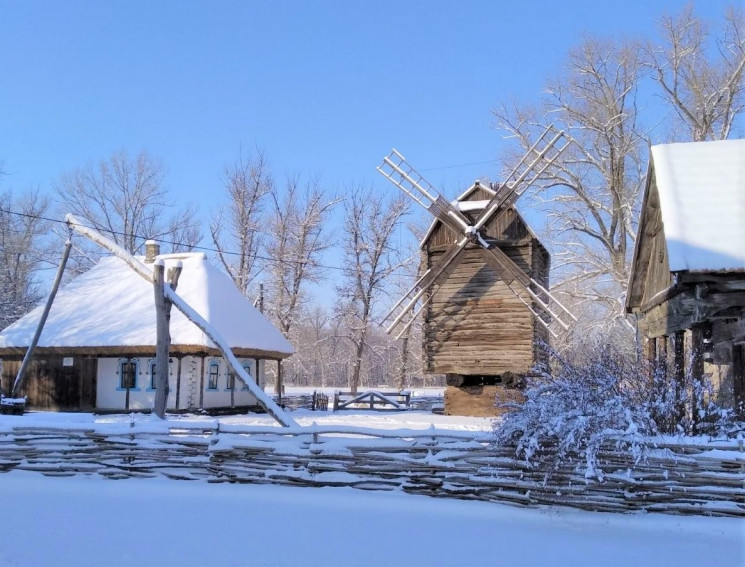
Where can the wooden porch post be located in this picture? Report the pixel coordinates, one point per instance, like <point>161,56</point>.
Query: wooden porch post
<point>679,369</point>
<point>278,381</point>
<point>201,383</point>
<point>178,381</point>
<point>738,376</point>
<point>662,355</point>
<point>651,355</point>
<point>697,370</point>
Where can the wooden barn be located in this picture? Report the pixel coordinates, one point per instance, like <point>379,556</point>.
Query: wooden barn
<point>97,349</point>
<point>477,330</point>
<point>687,285</point>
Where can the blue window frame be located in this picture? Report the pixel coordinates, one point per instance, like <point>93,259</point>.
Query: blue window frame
<point>152,374</point>
<point>214,374</point>
<point>128,370</point>
<point>247,367</point>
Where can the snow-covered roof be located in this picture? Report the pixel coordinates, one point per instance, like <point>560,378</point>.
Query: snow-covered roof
<point>112,306</point>
<point>701,187</point>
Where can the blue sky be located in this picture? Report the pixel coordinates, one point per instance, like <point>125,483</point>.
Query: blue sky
<point>325,87</point>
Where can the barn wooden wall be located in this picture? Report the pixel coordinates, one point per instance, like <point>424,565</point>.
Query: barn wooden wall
<point>51,385</point>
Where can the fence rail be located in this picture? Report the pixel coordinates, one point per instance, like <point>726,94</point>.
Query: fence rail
<point>677,477</point>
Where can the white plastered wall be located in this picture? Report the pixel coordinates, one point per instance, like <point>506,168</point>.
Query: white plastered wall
<point>110,396</point>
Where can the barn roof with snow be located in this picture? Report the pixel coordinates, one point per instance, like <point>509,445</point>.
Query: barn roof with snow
<point>693,213</point>
<point>701,188</point>
<point>110,310</point>
<point>689,257</point>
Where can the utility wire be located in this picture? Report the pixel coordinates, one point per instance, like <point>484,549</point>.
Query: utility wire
<point>174,243</point>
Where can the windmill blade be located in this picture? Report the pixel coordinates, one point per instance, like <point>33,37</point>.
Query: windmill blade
<point>435,276</point>
<point>398,171</point>
<point>536,160</point>
<point>532,165</point>
<point>548,309</point>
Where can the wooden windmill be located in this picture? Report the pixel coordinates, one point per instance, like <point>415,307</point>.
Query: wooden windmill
<point>484,279</point>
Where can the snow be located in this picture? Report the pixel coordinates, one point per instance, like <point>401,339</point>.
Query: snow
<point>87,521</point>
<point>470,206</point>
<point>111,305</point>
<point>702,198</point>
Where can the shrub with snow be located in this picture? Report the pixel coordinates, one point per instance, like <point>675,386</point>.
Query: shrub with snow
<point>571,411</point>
<point>596,398</point>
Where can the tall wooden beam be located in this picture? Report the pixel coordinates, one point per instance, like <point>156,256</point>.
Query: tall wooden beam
<point>162,341</point>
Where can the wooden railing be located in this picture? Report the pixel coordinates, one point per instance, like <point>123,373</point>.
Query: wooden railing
<point>683,477</point>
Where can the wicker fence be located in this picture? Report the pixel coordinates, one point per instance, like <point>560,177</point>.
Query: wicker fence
<point>676,477</point>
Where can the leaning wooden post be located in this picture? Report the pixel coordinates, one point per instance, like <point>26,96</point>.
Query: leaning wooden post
<point>40,327</point>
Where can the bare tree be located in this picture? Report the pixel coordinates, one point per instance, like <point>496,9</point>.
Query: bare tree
<point>236,227</point>
<point>126,200</point>
<point>592,191</point>
<point>23,250</point>
<point>296,241</point>
<point>369,223</point>
<point>701,77</point>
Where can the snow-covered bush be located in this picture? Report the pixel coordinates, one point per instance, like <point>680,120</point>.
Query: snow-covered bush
<point>581,403</point>
<point>593,398</point>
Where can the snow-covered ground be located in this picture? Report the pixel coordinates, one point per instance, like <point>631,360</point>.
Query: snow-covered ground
<point>89,521</point>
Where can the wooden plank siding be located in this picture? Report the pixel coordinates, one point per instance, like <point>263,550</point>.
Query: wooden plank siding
<point>51,385</point>
<point>474,325</point>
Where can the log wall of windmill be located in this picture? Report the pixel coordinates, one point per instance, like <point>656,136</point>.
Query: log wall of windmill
<point>474,324</point>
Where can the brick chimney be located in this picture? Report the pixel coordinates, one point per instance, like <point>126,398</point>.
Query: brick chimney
<point>152,249</point>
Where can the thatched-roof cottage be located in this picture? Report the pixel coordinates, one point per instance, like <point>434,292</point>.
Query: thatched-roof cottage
<point>97,349</point>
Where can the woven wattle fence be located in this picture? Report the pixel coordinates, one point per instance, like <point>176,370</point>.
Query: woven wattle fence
<point>677,476</point>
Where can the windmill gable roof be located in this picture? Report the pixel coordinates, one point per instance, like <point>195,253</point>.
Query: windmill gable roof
<point>463,204</point>
<point>112,306</point>
<point>701,189</point>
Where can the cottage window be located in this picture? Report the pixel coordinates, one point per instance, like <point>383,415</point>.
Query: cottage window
<point>153,382</point>
<point>231,381</point>
<point>214,373</point>
<point>247,368</point>
<point>128,374</point>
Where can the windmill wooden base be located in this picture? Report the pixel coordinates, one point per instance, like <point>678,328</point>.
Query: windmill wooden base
<point>481,396</point>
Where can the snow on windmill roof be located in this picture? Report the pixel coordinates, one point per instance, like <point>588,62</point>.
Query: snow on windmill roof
<point>465,206</point>
<point>112,306</point>
<point>701,187</point>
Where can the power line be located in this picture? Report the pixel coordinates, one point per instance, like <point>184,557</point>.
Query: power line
<point>174,243</point>
<point>491,161</point>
